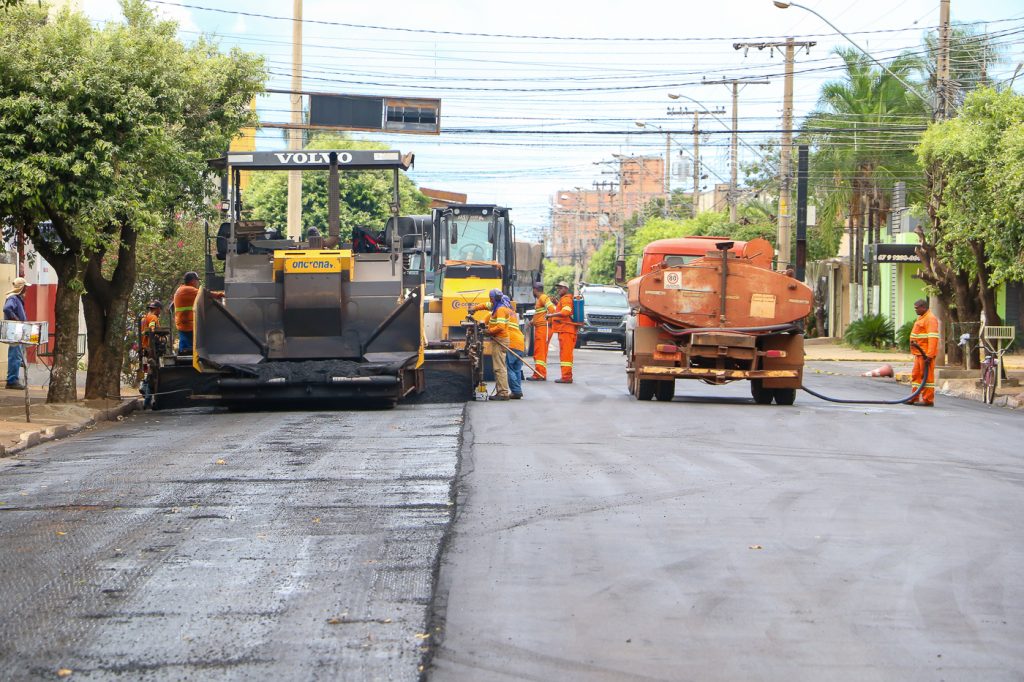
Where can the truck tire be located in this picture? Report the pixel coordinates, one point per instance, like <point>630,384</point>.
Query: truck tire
<point>645,389</point>
<point>760,394</point>
<point>665,391</point>
<point>784,396</point>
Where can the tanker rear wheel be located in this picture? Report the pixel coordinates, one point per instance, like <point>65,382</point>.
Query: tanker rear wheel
<point>760,394</point>
<point>645,389</point>
<point>665,390</point>
<point>784,396</point>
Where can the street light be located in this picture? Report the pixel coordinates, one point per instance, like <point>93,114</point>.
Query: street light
<point>908,86</point>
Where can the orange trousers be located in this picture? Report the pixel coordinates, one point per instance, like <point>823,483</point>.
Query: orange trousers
<point>566,344</point>
<point>917,375</point>
<point>540,352</point>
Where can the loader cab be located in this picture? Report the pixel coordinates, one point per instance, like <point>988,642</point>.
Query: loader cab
<point>474,238</point>
<point>475,233</point>
<point>472,252</point>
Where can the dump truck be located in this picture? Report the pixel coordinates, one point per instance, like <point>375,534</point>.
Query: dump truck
<point>712,309</point>
<point>305,320</point>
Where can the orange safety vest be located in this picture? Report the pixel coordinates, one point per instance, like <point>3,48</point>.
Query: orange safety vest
<point>543,306</point>
<point>184,302</point>
<point>926,334</point>
<point>561,320</point>
<point>498,322</point>
<point>516,340</point>
<point>149,323</point>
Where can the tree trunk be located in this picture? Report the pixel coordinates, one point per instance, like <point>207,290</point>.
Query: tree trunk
<point>987,294</point>
<point>64,377</point>
<point>63,255</point>
<point>106,315</point>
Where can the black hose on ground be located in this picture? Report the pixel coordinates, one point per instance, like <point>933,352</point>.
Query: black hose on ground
<point>909,399</point>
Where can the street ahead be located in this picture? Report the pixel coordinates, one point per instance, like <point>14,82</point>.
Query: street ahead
<point>709,538</point>
<point>594,537</point>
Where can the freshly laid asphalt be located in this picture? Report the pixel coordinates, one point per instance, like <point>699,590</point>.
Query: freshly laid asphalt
<point>600,538</point>
<point>210,545</point>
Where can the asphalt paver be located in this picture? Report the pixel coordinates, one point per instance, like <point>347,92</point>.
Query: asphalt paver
<point>199,544</point>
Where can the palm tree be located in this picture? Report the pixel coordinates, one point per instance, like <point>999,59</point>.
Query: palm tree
<point>864,135</point>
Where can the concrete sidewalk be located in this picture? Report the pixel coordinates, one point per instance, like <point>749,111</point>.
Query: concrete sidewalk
<point>49,422</point>
<point>953,385</point>
<point>832,349</point>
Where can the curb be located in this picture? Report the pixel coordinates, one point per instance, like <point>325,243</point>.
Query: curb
<point>30,438</point>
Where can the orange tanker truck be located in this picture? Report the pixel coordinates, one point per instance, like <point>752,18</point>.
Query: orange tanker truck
<point>712,309</point>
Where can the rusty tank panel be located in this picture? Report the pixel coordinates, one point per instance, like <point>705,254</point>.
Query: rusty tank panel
<point>693,295</point>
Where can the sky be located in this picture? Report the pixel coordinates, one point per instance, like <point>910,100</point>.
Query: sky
<point>537,97</point>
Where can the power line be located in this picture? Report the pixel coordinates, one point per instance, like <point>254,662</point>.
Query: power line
<point>640,39</point>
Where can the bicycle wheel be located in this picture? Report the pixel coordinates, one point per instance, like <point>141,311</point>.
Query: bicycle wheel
<point>988,384</point>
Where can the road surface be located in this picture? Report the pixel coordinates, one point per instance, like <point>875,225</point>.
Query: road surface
<point>209,545</point>
<point>574,535</point>
<point>600,538</point>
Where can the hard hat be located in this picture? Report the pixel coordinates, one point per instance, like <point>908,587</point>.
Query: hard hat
<point>155,303</point>
<point>563,283</point>
<point>538,285</point>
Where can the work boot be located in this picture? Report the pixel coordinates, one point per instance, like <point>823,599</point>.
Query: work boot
<point>535,379</point>
<point>516,396</point>
<point>563,381</point>
<point>16,387</point>
<point>500,397</point>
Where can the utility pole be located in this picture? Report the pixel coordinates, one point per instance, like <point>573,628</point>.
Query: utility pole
<point>696,113</point>
<point>786,153</point>
<point>943,106</point>
<point>734,170</point>
<point>295,134</point>
<point>668,174</point>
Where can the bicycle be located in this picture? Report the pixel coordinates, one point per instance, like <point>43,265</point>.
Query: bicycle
<point>991,367</point>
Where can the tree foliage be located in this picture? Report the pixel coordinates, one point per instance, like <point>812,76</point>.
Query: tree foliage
<point>104,133</point>
<point>860,143</point>
<point>976,165</point>
<point>554,273</point>
<point>365,197</point>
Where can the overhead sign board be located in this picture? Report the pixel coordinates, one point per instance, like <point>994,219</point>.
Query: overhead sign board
<point>317,159</point>
<point>385,114</point>
<point>896,253</point>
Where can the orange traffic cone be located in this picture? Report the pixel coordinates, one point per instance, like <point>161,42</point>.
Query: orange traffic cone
<point>883,371</point>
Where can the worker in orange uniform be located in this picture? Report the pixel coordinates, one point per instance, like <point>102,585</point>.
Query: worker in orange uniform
<point>496,316</point>
<point>562,324</point>
<point>925,336</point>
<point>514,356</point>
<point>543,307</point>
<point>184,305</point>
<point>150,322</point>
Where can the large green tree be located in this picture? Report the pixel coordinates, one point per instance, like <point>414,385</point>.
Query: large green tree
<point>104,134</point>
<point>863,138</point>
<point>974,239</point>
<point>365,196</point>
